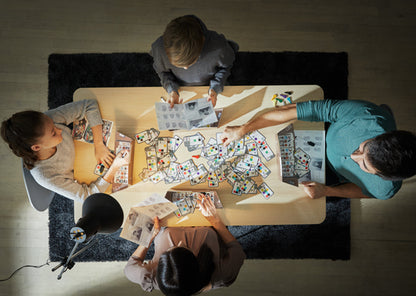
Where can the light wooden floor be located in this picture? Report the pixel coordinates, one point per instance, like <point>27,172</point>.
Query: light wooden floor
<point>380,39</point>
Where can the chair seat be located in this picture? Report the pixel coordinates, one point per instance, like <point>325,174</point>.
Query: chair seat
<point>39,197</point>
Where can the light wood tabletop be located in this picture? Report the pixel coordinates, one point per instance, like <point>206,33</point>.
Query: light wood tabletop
<point>133,110</point>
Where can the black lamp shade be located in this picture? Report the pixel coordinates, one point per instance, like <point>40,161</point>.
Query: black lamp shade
<point>101,213</point>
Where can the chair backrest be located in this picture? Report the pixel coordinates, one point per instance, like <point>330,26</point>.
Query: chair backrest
<point>39,197</point>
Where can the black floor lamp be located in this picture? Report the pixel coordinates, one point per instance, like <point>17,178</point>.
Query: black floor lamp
<point>101,213</point>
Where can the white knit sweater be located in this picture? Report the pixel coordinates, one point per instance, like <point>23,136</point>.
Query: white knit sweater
<point>57,172</point>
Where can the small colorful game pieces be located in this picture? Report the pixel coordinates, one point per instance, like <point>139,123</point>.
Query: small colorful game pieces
<point>282,99</point>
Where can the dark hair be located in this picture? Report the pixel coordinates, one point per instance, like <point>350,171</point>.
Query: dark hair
<point>21,131</point>
<point>183,40</point>
<point>393,155</point>
<point>179,272</point>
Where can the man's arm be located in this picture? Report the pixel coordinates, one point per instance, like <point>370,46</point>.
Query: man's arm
<point>277,116</point>
<point>348,190</point>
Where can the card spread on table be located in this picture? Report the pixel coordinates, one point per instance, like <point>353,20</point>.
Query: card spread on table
<point>237,163</point>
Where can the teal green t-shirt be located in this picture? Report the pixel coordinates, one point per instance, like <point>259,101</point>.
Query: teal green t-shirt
<point>352,122</point>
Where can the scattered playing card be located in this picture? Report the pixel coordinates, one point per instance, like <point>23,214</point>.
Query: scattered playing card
<point>122,175</point>
<point>263,170</point>
<point>257,137</point>
<point>158,176</point>
<point>251,159</point>
<point>265,190</point>
<point>251,148</point>
<point>266,151</point>
<point>142,137</point>
<point>236,188</point>
<point>100,170</point>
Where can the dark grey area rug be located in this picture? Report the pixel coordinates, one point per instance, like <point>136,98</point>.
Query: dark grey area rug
<point>329,240</point>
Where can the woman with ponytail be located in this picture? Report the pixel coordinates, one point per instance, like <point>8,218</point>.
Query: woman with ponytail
<point>45,144</point>
<point>188,260</point>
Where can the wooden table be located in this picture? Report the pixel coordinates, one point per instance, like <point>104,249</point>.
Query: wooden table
<point>132,110</point>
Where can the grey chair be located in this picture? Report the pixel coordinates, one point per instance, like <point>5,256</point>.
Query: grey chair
<point>39,197</point>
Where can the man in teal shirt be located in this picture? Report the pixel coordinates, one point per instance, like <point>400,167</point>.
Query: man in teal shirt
<point>363,146</point>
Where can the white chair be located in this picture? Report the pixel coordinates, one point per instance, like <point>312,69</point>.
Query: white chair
<point>39,197</point>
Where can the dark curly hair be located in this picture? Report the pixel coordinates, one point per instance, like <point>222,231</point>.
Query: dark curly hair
<point>393,155</point>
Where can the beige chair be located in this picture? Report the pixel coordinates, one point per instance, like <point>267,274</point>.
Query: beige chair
<point>39,197</point>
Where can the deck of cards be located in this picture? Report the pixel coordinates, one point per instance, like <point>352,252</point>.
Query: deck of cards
<point>186,201</point>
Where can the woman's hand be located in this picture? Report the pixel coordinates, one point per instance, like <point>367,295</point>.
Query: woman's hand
<point>156,228</point>
<point>208,210</point>
<point>141,251</point>
<point>103,155</point>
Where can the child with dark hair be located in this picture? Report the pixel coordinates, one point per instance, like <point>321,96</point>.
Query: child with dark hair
<point>189,54</point>
<point>45,144</point>
<point>188,260</point>
<point>363,146</point>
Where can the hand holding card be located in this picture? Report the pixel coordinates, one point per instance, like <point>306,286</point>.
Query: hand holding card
<point>208,210</point>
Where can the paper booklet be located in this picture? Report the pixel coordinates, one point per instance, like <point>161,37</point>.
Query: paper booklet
<point>193,114</point>
<point>82,131</point>
<point>139,224</point>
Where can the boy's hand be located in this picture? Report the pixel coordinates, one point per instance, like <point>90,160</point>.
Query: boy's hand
<point>173,98</point>
<point>103,155</point>
<point>212,96</point>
